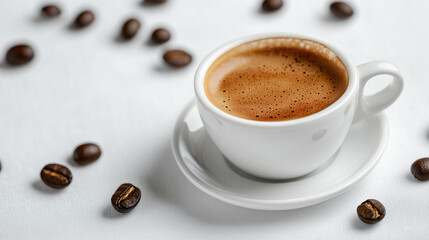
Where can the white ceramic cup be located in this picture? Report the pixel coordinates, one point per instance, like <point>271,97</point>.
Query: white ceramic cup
<point>293,148</point>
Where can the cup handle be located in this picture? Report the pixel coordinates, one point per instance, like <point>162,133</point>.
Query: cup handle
<point>369,105</point>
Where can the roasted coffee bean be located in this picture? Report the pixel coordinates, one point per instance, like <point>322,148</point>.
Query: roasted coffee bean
<point>51,11</point>
<point>177,58</point>
<point>56,176</point>
<point>272,5</point>
<point>371,211</point>
<point>86,153</point>
<point>420,169</point>
<point>84,19</point>
<point>126,198</point>
<point>160,35</point>
<point>153,2</point>
<point>130,28</point>
<point>0,166</point>
<point>341,9</point>
<point>19,55</point>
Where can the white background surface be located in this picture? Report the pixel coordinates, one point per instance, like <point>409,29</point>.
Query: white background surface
<point>86,86</point>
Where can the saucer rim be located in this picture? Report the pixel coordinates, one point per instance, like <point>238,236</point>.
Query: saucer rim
<point>277,204</point>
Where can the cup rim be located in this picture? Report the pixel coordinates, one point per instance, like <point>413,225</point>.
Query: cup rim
<point>212,56</point>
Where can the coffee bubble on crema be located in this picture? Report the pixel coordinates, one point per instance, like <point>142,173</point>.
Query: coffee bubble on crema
<point>276,79</point>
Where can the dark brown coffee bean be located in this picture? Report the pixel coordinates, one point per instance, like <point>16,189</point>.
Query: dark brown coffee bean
<point>130,28</point>
<point>272,5</point>
<point>371,211</point>
<point>51,11</point>
<point>341,9</point>
<point>84,19</point>
<point>177,58</point>
<point>160,35</point>
<point>420,169</point>
<point>19,55</point>
<point>153,2</point>
<point>0,166</point>
<point>126,198</point>
<point>56,176</point>
<point>86,153</point>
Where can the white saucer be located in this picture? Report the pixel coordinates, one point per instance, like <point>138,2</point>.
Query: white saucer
<point>203,164</point>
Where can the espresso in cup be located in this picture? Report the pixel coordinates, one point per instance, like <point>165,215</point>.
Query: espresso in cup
<point>276,79</point>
